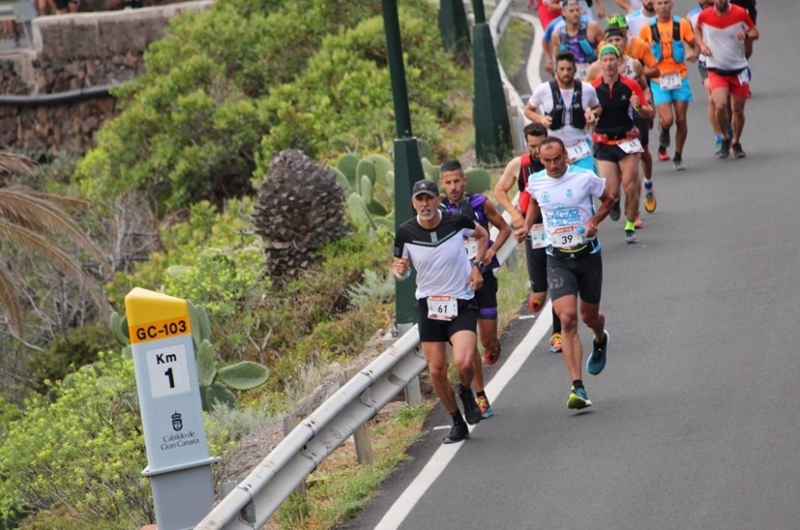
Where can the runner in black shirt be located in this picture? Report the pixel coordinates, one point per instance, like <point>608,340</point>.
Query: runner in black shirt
<point>446,283</point>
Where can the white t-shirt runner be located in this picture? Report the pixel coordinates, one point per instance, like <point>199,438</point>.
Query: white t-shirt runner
<point>566,203</point>
<point>542,101</point>
<point>636,21</point>
<point>438,255</point>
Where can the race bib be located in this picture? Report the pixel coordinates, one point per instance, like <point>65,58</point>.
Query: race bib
<point>578,151</point>
<point>538,236</point>
<point>442,307</point>
<point>581,70</point>
<point>631,146</point>
<point>565,236</point>
<point>670,81</point>
<point>744,77</point>
<point>472,248</point>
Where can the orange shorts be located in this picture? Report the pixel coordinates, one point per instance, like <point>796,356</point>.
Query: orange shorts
<point>732,82</point>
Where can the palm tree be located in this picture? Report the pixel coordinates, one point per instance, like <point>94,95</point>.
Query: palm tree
<point>36,221</point>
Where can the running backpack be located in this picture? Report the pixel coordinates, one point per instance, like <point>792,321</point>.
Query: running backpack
<point>589,53</point>
<point>678,49</point>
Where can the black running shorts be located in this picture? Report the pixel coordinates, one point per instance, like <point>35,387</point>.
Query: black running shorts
<point>441,330</point>
<point>537,266</point>
<point>582,276</point>
<point>486,297</point>
<point>608,153</point>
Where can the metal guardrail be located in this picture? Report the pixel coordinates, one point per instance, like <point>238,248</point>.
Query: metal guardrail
<point>253,501</point>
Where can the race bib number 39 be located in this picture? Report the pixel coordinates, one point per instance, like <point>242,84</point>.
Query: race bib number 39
<point>565,236</point>
<point>538,236</point>
<point>442,307</point>
<point>670,81</point>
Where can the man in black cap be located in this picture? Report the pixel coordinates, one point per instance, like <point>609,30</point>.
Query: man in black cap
<point>446,283</point>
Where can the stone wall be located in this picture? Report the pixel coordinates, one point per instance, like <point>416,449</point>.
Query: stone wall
<point>73,53</point>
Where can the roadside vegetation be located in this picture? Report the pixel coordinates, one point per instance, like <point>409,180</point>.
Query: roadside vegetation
<point>174,198</point>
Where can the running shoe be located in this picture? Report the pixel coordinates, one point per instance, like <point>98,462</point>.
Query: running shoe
<point>486,408</point>
<point>458,433</point>
<point>597,359</point>
<point>725,151</point>
<point>737,151</point>
<point>663,139</point>
<point>535,304</point>
<point>615,211</point>
<point>631,237</point>
<point>637,223</point>
<point>663,156</point>
<point>649,197</point>
<point>555,343</point>
<point>717,144</point>
<point>578,399</point>
<point>471,411</point>
<point>490,355</point>
<point>677,163</point>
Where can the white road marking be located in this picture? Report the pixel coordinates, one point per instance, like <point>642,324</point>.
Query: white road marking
<point>439,460</point>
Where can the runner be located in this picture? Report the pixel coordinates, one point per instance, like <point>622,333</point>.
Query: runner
<point>567,107</point>
<point>701,66</point>
<point>639,18</point>
<point>475,205</point>
<point>585,6</point>
<point>517,172</point>
<point>580,38</point>
<point>723,32</point>
<point>632,68</point>
<point>750,6</point>
<point>669,36</point>
<point>616,142</point>
<point>563,195</point>
<point>446,282</point>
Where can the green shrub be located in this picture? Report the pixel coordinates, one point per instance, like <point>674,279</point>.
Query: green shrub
<point>84,452</point>
<point>77,348</point>
<point>343,99</point>
<point>190,125</point>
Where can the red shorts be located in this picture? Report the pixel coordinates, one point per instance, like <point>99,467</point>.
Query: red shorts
<point>731,82</point>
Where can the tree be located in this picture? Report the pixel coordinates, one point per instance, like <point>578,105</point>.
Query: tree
<point>36,221</point>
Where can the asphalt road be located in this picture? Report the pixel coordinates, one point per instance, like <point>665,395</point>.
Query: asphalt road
<point>695,422</point>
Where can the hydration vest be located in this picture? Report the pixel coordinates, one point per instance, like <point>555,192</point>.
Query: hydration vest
<point>589,53</point>
<point>678,49</point>
<point>471,206</point>
<point>567,115</point>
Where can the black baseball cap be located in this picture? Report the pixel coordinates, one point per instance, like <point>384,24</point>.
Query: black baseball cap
<point>425,186</point>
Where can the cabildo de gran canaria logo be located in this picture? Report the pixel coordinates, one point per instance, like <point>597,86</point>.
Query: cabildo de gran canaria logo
<point>177,422</point>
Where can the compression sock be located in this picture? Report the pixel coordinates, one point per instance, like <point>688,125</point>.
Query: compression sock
<point>629,225</point>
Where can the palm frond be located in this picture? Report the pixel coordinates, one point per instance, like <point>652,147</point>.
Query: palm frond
<point>26,238</point>
<point>8,300</point>
<point>39,212</point>
<point>16,163</point>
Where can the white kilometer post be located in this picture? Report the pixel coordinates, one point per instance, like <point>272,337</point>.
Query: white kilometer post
<point>172,413</point>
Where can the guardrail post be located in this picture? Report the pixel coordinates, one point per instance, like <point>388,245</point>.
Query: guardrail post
<point>289,423</point>
<point>361,436</point>
<point>172,414</point>
<point>413,391</point>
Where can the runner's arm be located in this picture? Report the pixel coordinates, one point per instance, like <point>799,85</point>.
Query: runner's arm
<point>607,202</point>
<point>624,5</point>
<point>503,186</point>
<point>504,231</point>
<point>601,10</point>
